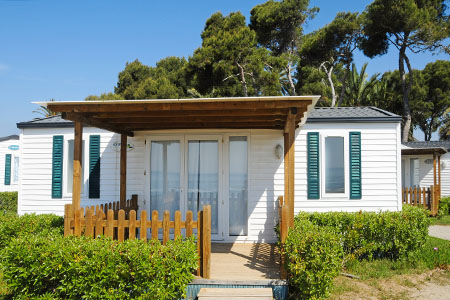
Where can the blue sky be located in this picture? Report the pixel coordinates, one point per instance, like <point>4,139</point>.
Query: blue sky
<point>67,50</point>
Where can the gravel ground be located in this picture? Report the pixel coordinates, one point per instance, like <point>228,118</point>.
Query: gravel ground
<point>440,231</point>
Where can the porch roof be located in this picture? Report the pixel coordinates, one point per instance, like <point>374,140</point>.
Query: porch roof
<point>427,147</point>
<point>128,116</point>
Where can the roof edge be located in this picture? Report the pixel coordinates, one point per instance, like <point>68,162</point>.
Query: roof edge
<point>10,137</point>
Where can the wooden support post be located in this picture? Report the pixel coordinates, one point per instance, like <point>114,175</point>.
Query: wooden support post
<point>439,176</point>
<point>123,169</point>
<point>434,169</point>
<point>206,232</point>
<point>289,165</point>
<point>283,234</point>
<point>77,168</point>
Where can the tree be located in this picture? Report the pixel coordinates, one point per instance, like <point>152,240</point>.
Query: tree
<point>104,96</point>
<point>331,45</point>
<point>166,80</point>
<point>45,111</point>
<point>414,25</point>
<point>130,78</point>
<point>278,27</point>
<point>359,91</point>
<point>228,63</point>
<point>444,131</point>
<point>430,110</point>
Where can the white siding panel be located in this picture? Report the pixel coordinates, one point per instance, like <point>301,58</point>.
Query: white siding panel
<point>379,158</point>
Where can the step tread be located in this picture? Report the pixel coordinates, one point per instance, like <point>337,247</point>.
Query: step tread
<point>235,292</point>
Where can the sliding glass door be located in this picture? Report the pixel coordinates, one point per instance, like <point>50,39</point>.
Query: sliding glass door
<point>165,176</point>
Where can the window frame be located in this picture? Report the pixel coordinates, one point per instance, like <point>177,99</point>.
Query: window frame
<point>84,167</point>
<point>324,194</point>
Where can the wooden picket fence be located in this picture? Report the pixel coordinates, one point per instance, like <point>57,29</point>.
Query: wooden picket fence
<point>117,224</point>
<point>427,198</point>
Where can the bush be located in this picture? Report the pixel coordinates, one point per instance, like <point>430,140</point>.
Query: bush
<point>313,259</point>
<point>85,268</point>
<point>8,202</point>
<point>444,206</point>
<point>12,226</point>
<point>377,235</point>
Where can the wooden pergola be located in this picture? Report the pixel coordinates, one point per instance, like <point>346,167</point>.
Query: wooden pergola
<point>436,152</point>
<point>125,117</point>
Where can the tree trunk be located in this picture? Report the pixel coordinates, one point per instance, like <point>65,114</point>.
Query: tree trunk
<point>243,82</point>
<point>330,81</point>
<point>344,85</point>
<point>291,82</point>
<point>406,87</point>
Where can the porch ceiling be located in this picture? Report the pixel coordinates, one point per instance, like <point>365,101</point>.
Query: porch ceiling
<point>128,116</point>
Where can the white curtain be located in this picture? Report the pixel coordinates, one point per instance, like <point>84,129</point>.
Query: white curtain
<point>203,178</point>
<point>165,177</point>
<point>238,192</point>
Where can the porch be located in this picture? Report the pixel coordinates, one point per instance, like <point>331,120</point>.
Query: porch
<point>219,261</point>
<point>415,190</point>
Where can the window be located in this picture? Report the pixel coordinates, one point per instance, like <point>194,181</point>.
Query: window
<point>69,169</point>
<point>414,169</point>
<point>334,165</point>
<point>16,169</point>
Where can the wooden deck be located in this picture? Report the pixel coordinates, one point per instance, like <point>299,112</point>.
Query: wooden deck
<point>244,261</point>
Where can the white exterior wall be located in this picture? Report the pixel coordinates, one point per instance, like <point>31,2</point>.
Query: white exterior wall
<point>380,172</point>
<point>426,175</point>
<point>14,186</point>
<point>35,195</point>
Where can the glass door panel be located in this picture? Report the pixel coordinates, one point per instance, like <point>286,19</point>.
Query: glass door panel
<point>238,186</point>
<point>165,177</point>
<point>203,178</point>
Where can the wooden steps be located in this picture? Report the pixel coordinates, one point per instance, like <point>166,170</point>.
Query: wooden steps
<point>235,294</point>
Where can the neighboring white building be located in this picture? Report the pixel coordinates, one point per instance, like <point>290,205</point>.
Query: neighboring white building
<point>239,172</point>
<point>418,164</point>
<point>9,163</point>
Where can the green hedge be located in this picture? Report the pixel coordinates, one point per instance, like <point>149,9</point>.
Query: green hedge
<point>8,202</point>
<point>316,247</point>
<point>444,206</point>
<point>84,268</point>
<point>12,226</point>
<point>376,235</point>
<point>313,259</point>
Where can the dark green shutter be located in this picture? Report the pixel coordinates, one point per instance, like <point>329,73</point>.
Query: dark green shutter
<point>313,165</point>
<point>355,165</point>
<point>57,166</point>
<point>94,166</point>
<point>7,169</point>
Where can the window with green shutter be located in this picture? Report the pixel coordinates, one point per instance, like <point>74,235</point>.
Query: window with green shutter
<point>57,166</point>
<point>94,166</point>
<point>313,165</point>
<point>355,165</point>
<point>7,169</point>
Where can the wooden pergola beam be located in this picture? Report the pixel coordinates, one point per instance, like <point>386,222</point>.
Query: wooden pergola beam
<point>193,113</point>
<point>205,125</point>
<point>187,106</point>
<point>189,119</point>
<point>95,123</point>
<point>77,166</point>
